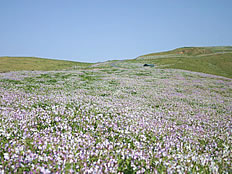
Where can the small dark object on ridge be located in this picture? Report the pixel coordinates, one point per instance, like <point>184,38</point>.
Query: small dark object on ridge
<point>151,65</point>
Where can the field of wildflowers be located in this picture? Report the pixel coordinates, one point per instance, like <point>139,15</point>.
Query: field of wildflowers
<point>118,120</point>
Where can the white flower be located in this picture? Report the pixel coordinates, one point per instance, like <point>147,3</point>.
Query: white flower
<point>6,156</point>
<point>45,171</point>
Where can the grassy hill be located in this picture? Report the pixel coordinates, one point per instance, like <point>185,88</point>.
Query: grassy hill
<point>33,63</point>
<point>210,60</point>
<point>192,51</point>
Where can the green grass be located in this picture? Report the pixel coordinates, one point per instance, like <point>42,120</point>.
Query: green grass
<point>37,64</point>
<point>210,60</point>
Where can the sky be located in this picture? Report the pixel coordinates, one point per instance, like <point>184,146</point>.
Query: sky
<point>101,30</point>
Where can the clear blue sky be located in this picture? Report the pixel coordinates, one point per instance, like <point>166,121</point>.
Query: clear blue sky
<point>100,30</point>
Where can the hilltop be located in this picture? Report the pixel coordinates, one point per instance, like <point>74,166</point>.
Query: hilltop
<point>192,51</point>
<point>36,64</point>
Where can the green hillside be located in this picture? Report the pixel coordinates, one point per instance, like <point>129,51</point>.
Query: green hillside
<point>36,64</point>
<point>210,60</point>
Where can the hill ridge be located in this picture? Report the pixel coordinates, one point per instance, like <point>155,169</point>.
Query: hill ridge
<point>8,63</point>
<point>190,51</point>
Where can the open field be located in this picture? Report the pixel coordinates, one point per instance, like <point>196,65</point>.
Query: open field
<point>36,64</point>
<point>115,120</point>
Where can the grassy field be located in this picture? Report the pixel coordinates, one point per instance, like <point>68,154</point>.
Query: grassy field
<point>210,60</point>
<point>36,64</point>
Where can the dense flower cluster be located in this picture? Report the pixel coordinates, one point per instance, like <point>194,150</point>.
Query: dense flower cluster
<point>117,120</point>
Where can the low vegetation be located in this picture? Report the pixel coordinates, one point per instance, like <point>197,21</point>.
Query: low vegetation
<point>123,120</point>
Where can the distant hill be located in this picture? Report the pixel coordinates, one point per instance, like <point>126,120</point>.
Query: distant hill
<point>36,64</point>
<point>210,60</point>
<point>191,51</point>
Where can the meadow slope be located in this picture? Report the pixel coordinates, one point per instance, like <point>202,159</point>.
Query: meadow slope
<point>115,120</point>
<point>210,60</point>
